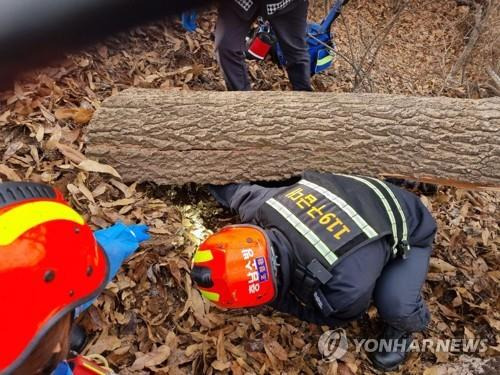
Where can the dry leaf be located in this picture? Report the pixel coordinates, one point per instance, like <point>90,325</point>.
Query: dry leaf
<point>74,155</point>
<point>450,314</point>
<point>221,366</point>
<point>192,349</point>
<point>468,333</point>
<point>54,139</point>
<point>119,202</point>
<point>9,173</point>
<point>333,368</point>
<point>40,132</point>
<point>151,359</point>
<point>80,115</point>
<point>441,265</point>
<point>94,166</point>
<point>343,369</point>
<point>99,190</point>
<point>221,352</point>
<point>48,116</point>
<point>127,191</point>
<point>86,192</point>
<point>435,370</point>
<point>493,323</point>
<point>4,117</point>
<point>277,350</point>
<point>442,357</point>
<point>105,343</point>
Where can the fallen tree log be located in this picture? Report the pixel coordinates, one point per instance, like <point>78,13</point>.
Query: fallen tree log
<point>176,137</point>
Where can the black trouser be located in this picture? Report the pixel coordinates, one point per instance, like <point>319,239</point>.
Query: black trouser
<point>290,28</point>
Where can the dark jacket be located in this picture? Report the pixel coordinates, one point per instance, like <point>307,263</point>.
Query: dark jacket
<point>350,290</point>
<point>248,9</point>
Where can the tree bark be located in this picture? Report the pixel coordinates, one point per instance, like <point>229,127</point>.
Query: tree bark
<point>175,137</point>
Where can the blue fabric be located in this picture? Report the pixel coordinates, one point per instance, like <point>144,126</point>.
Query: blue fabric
<point>323,53</point>
<point>118,242</point>
<point>63,369</point>
<point>188,20</point>
<point>316,49</point>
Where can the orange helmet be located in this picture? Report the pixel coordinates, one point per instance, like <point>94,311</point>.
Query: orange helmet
<point>50,263</point>
<point>235,267</point>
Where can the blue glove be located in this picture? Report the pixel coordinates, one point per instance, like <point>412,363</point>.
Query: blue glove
<point>119,242</point>
<point>189,20</point>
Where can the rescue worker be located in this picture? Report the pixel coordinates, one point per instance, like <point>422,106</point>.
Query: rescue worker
<point>288,19</point>
<point>51,268</point>
<point>321,248</point>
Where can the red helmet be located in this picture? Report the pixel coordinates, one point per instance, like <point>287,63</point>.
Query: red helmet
<point>235,267</point>
<point>50,263</point>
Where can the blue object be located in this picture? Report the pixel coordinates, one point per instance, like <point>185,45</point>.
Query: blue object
<point>319,37</point>
<point>118,242</point>
<point>188,20</point>
<point>62,369</point>
<point>320,48</point>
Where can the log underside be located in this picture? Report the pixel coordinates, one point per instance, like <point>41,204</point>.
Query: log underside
<point>173,137</point>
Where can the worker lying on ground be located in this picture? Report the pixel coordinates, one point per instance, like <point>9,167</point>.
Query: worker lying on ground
<point>289,21</point>
<point>51,268</point>
<point>322,249</point>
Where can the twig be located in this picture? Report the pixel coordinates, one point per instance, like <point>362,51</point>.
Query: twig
<point>464,56</point>
<point>383,33</point>
<point>349,39</point>
<point>494,76</point>
<point>351,50</point>
<point>380,38</point>
<point>334,51</point>
<point>491,88</point>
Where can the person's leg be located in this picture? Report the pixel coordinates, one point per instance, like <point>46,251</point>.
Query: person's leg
<point>290,28</point>
<point>398,293</point>
<point>398,297</point>
<point>230,33</point>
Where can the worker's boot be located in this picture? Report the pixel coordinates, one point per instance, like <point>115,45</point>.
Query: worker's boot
<point>393,351</point>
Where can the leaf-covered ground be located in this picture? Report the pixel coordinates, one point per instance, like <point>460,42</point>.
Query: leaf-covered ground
<point>150,319</point>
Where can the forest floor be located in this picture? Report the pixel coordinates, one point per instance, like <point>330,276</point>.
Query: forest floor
<point>150,319</point>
